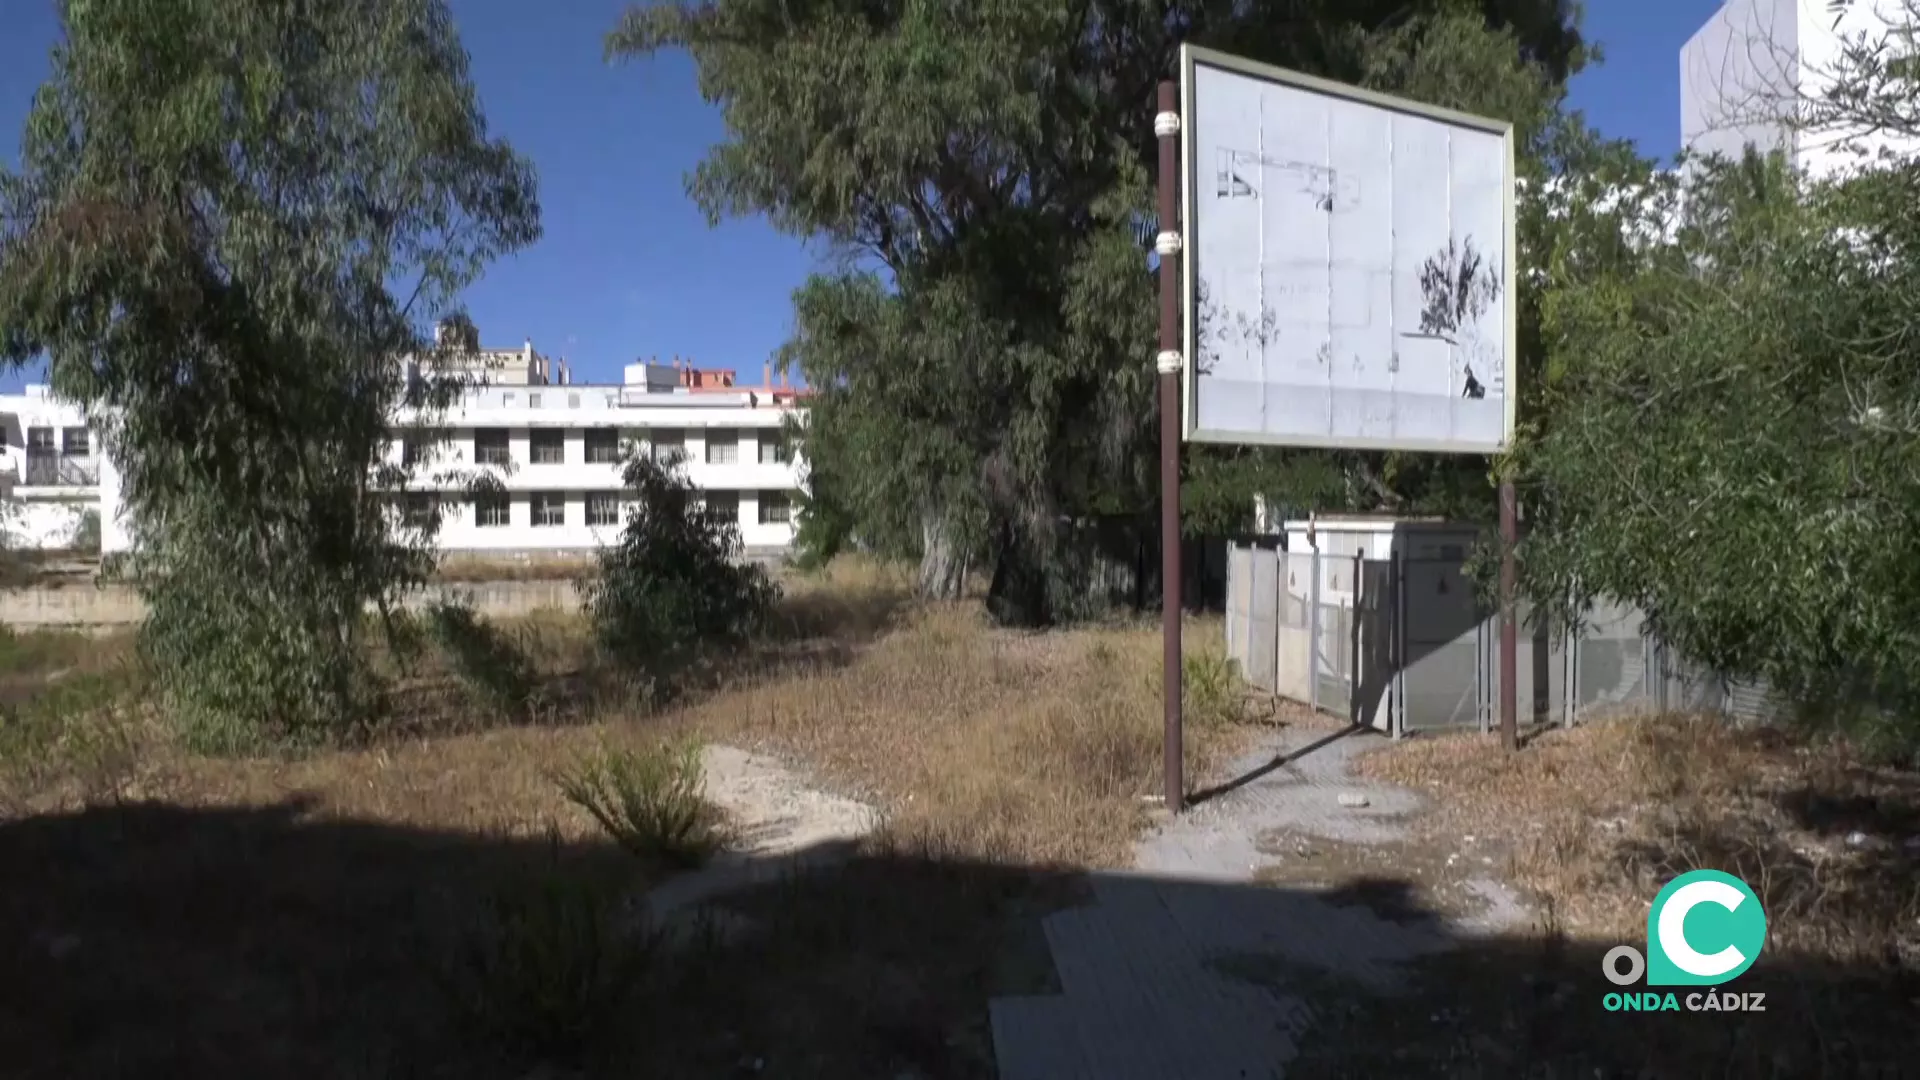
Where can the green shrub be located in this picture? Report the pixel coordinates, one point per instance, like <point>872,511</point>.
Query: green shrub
<point>1211,687</point>
<point>550,970</point>
<point>674,584</point>
<point>86,532</point>
<point>651,802</point>
<point>493,667</point>
<point>83,728</point>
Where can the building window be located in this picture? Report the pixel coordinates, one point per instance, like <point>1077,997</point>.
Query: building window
<point>547,446</point>
<point>724,505</point>
<point>74,442</point>
<point>509,400</point>
<point>416,510</point>
<point>549,509</point>
<point>415,449</point>
<point>492,511</point>
<point>774,449</point>
<point>490,447</point>
<point>774,508</point>
<point>40,440</point>
<point>533,401</point>
<point>603,446</point>
<point>573,401</point>
<point>668,446</point>
<point>603,508</point>
<point>723,448</point>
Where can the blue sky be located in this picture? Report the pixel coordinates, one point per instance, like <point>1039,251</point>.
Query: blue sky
<point>629,267</point>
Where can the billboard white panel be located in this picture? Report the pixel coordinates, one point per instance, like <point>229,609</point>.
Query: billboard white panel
<point>1349,268</point>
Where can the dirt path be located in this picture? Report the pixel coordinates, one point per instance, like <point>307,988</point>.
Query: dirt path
<point>1204,963</point>
<point>783,823</point>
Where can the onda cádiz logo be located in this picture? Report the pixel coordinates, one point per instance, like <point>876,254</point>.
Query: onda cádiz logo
<point>1705,928</point>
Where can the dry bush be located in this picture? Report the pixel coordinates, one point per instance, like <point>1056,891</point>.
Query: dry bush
<point>548,971</point>
<point>850,598</point>
<point>651,801</point>
<point>1597,818</point>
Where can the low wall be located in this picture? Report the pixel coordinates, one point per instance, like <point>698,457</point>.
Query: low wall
<point>84,604</point>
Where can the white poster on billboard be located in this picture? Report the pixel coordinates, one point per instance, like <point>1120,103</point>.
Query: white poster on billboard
<point>1349,266</point>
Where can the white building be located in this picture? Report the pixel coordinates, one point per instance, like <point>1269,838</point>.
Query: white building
<point>51,474</point>
<point>1756,72</point>
<point>554,445</point>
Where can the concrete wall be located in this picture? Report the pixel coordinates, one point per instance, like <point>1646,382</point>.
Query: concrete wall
<point>44,524</point>
<point>84,604</point>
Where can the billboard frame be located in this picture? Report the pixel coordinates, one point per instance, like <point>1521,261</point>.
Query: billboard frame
<point>1193,57</point>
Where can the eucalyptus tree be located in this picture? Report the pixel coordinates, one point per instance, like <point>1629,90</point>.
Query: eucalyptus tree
<point>231,220</point>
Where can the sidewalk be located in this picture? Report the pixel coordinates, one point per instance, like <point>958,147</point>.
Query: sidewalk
<point>1145,968</point>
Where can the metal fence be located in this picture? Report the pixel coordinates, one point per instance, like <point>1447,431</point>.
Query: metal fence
<point>1406,645</point>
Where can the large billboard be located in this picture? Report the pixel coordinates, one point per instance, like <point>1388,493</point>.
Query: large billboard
<point>1349,265</point>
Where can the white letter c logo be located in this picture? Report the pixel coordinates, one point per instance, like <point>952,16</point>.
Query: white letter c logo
<point>1673,928</point>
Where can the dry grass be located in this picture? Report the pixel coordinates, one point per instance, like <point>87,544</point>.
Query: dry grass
<point>476,567</point>
<point>272,908</point>
<point>1592,821</point>
<point>1597,818</point>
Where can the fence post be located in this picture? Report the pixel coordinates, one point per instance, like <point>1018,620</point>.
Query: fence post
<point>1279,606</point>
<point>1313,630</point>
<point>1353,641</point>
<point>1397,645</point>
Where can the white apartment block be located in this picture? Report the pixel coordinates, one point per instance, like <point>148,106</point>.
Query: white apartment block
<point>1752,74</point>
<point>554,446</point>
<point>52,471</point>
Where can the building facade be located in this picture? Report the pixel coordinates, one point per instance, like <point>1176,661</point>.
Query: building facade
<point>51,473</point>
<point>1755,73</point>
<point>555,448</point>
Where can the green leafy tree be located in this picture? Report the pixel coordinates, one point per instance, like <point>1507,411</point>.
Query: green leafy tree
<point>675,583</point>
<point>231,219</point>
<point>1736,444</point>
<point>982,354</point>
<point>1733,435</point>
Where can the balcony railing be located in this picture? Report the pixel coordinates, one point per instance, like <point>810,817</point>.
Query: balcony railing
<point>58,470</point>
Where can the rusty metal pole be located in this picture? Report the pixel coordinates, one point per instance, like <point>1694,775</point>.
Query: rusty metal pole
<point>1509,623</point>
<point>1166,125</point>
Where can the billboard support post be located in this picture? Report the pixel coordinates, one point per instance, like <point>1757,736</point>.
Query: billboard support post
<point>1166,125</point>
<point>1509,617</point>
<point>1348,279</point>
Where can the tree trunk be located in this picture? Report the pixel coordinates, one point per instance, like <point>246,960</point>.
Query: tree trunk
<point>943,565</point>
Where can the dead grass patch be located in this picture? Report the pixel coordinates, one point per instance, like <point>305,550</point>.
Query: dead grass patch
<point>1598,817</point>
<point>1036,747</point>
<point>1592,821</point>
<point>271,908</point>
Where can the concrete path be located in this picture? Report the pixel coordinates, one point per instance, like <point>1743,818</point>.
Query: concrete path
<point>1187,969</point>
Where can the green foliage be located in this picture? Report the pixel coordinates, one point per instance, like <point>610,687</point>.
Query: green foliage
<point>1211,687</point>
<point>217,202</point>
<point>551,970</point>
<point>86,532</point>
<point>83,727</point>
<point>651,802</point>
<point>494,668</point>
<point>981,356</point>
<point>824,528</point>
<point>674,584</point>
<point>1734,443</point>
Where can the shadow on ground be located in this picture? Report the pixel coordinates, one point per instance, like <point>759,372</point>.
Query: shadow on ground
<point>147,940</point>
